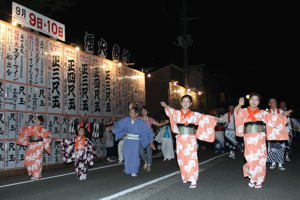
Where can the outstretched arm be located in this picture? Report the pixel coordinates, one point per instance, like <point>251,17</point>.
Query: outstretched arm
<point>119,129</point>
<point>173,116</point>
<point>160,123</point>
<point>287,113</point>
<point>168,110</point>
<point>163,104</point>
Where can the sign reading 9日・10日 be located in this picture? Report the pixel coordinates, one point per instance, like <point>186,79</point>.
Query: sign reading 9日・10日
<point>28,18</point>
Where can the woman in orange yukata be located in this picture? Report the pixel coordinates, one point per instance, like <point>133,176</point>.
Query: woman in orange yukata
<point>257,126</point>
<point>36,138</point>
<point>183,124</point>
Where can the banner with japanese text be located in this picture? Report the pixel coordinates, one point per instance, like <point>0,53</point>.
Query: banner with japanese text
<point>41,76</point>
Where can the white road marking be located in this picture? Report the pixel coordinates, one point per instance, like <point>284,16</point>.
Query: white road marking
<point>66,174</point>
<point>121,193</point>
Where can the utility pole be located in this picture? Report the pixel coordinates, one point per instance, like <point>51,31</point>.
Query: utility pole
<point>185,40</point>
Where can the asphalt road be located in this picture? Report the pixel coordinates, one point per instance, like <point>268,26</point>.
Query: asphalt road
<point>220,178</point>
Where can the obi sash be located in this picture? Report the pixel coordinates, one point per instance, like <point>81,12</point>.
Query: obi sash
<point>254,127</point>
<point>186,129</point>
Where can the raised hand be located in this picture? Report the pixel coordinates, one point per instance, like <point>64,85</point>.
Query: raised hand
<point>130,106</point>
<point>96,154</point>
<point>152,146</point>
<point>217,118</point>
<point>163,104</point>
<point>221,118</point>
<point>25,125</point>
<point>241,101</point>
<point>287,113</point>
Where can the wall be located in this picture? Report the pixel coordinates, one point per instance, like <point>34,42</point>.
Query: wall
<point>42,76</point>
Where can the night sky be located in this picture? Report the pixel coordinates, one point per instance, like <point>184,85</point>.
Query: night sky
<point>253,45</point>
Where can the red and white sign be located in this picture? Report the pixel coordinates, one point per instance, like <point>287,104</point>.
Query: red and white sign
<point>28,18</point>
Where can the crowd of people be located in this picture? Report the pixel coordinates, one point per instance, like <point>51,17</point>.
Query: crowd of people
<point>261,135</point>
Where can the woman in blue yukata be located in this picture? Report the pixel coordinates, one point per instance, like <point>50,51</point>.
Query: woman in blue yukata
<point>135,132</point>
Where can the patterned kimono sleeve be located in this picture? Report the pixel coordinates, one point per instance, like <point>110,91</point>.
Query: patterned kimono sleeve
<point>276,126</point>
<point>239,120</point>
<point>23,137</point>
<point>67,150</point>
<point>47,138</point>
<point>173,115</point>
<point>206,127</point>
<point>90,153</point>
